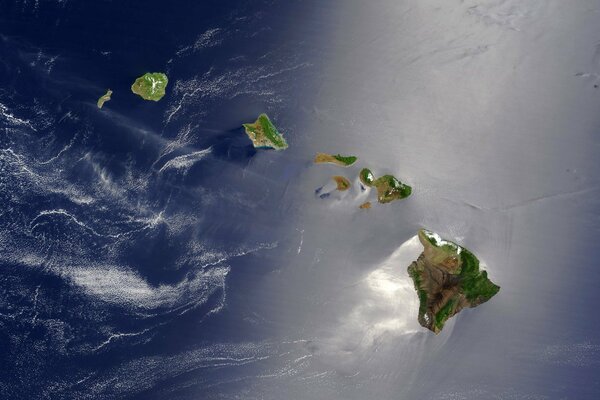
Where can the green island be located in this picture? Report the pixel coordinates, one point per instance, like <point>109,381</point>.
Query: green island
<point>342,182</point>
<point>337,159</point>
<point>104,98</point>
<point>388,187</point>
<point>264,134</point>
<point>366,177</point>
<point>447,279</point>
<point>150,86</point>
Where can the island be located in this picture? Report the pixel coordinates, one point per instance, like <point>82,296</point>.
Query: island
<point>104,98</point>
<point>366,177</point>
<point>150,86</point>
<point>337,159</point>
<point>365,205</point>
<point>342,183</point>
<point>447,279</point>
<point>388,187</point>
<point>264,134</point>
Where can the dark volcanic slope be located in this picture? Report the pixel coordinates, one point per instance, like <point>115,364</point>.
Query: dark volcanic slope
<point>447,279</point>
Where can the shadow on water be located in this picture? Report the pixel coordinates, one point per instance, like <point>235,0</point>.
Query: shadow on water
<point>233,146</point>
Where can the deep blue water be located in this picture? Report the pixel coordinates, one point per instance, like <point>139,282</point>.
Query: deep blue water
<point>94,178</point>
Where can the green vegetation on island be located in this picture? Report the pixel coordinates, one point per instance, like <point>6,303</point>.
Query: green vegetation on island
<point>388,187</point>
<point>447,279</point>
<point>264,134</point>
<point>104,98</point>
<point>150,86</point>
<point>342,183</point>
<point>337,159</point>
<point>366,177</point>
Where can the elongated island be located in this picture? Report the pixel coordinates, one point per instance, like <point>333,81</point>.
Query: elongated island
<point>264,134</point>
<point>103,99</point>
<point>150,86</point>
<point>447,279</point>
<point>337,159</point>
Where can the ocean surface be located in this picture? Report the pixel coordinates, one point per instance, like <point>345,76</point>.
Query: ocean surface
<point>148,251</point>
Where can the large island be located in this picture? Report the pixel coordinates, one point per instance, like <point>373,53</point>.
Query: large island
<point>388,187</point>
<point>447,279</point>
<point>150,86</point>
<point>264,134</point>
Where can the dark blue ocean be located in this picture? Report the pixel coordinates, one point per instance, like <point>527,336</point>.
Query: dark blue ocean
<point>137,231</point>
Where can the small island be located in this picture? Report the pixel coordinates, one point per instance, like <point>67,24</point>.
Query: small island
<point>366,177</point>
<point>264,134</point>
<point>342,183</point>
<point>365,206</point>
<point>447,279</point>
<point>150,86</point>
<point>337,159</point>
<point>104,98</point>
<point>388,187</point>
